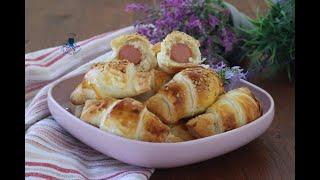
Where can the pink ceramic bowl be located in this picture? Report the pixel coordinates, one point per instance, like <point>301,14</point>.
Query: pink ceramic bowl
<point>156,155</point>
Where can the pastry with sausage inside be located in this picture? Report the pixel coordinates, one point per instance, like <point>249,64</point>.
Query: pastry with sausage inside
<point>178,51</point>
<point>136,49</point>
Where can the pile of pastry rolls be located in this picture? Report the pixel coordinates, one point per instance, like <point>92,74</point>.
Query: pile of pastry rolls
<point>160,93</point>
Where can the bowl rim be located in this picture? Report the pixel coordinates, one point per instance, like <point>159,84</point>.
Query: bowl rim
<point>269,112</point>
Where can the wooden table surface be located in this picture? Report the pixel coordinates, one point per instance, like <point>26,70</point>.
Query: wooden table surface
<point>271,156</point>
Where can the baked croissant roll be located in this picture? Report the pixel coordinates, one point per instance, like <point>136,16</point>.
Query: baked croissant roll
<point>93,110</point>
<point>127,118</point>
<point>189,93</point>
<point>158,79</point>
<point>116,79</point>
<point>181,132</point>
<point>232,110</point>
<point>136,49</point>
<point>178,51</point>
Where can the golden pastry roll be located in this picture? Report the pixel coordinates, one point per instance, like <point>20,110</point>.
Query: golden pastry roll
<point>232,110</point>
<point>135,48</point>
<point>117,79</point>
<point>189,93</point>
<point>126,117</point>
<point>178,51</point>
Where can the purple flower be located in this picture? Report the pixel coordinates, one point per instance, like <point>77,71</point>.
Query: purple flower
<point>205,52</point>
<point>206,46</point>
<point>175,3</point>
<point>213,21</point>
<point>229,75</point>
<point>227,39</point>
<point>194,22</point>
<point>132,7</point>
<point>219,66</point>
<point>146,29</point>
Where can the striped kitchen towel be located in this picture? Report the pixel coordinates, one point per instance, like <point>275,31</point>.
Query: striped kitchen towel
<point>50,151</point>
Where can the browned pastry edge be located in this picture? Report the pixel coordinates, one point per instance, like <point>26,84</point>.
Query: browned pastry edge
<point>189,93</point>
<point>115,75</point>
<point>93,109</point>
<point>223,116</point>
<point>181,131</point>
<point>159,78</point>
<point>126,117</point>
<point>153,129</point>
